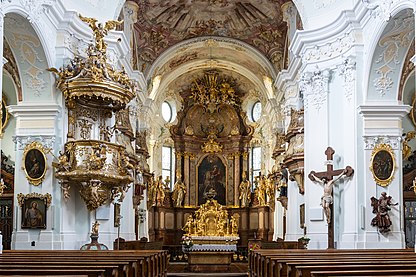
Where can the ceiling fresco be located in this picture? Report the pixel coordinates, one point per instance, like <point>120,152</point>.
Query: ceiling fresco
<point>162,24</point>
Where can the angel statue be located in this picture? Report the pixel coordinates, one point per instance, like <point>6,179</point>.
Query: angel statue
<point>100,31</point>
<point>179,190</point>
<point>381,208</point>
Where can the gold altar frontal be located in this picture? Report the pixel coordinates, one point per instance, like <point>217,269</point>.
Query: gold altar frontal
<point>209,261</point>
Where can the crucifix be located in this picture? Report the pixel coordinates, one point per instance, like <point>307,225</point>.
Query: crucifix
<point>326,179</point>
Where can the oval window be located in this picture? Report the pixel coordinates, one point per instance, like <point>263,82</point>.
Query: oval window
<point>166,111</point>
<point>256,111</point>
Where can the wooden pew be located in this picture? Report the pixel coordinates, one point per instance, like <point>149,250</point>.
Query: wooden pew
<point>306,270</point>
<point>271,263</point>
<point>368,273</point>
<point>143,263</point>
<point>53,272</point>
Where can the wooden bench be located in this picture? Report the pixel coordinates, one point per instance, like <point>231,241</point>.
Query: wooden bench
<point>143,263</point>
<point>274,263</point>
<point>367,273</point>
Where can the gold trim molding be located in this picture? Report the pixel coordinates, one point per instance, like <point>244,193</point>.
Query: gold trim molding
<point>47,198</point>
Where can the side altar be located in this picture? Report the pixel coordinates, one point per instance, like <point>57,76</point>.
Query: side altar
<point>210,237</point>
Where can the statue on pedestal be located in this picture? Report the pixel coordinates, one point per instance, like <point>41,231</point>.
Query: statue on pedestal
<point>160,190</point>
<point>260,191</point>
<point>179,191</point>
<point>245,193</point>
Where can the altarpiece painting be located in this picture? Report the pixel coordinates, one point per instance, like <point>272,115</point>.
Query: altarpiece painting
<point>211,175</point>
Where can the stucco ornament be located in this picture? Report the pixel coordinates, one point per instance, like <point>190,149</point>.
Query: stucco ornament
<point>314,87</point>
<point>391,43</point>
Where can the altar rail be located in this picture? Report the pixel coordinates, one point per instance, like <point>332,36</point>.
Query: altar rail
<point>176,254</point>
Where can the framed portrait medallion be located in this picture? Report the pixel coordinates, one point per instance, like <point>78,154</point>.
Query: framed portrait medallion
<point>34,163</point>
<point>383,164</point>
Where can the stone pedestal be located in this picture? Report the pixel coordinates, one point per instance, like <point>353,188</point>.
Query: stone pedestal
<point>209,261</point>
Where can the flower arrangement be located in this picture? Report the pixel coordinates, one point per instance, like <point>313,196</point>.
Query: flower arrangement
<point>253,246</point>
<point>187,242</point>
<point>304,240</point>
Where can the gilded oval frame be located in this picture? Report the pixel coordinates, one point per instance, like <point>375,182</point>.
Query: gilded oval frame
<point>383,164</point>
<point>412,112</point>
<point>4,116</point>
<point>34,163</point>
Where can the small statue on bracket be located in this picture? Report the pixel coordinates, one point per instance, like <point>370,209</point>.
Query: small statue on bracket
<point>381,207</point>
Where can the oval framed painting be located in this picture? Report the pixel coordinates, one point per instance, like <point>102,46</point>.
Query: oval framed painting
<point>383,164</point>
<point>34,163</point>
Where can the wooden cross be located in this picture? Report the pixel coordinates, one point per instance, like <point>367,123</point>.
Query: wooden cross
<point>329,174</point>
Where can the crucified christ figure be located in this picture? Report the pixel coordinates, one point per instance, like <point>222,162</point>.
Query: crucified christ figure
<point>327,199</point>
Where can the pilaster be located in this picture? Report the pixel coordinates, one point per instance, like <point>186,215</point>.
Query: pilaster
<point>382,125</point>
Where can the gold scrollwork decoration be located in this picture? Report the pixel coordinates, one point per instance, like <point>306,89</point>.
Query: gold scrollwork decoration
<point>412,112</point>
<point>34,162</point>
<point>46,198</point>
<point>383,164</point>
<point>4,116</point>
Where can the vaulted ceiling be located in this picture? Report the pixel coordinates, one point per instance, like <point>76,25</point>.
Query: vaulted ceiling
<point>179,37</point>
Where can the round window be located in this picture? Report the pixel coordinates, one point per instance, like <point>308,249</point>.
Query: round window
<point>166,111</point>
<point>256,111</point>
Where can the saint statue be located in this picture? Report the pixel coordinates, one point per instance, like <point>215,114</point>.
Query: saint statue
<point>245,193</point>
<point>179,191</point>
<point>94,230</point>
<point>260,190</point>
<point>160,190</point>
<point>381,208</point>
<point>270,190</point>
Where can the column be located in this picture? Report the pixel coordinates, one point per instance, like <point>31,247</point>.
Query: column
<point>186,179</point>
<point>37,123</point>
<point>314,86</point>
<point>237,176</point>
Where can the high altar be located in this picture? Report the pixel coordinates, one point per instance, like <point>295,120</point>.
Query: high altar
<point>211,137</point>
<point>210,237</point>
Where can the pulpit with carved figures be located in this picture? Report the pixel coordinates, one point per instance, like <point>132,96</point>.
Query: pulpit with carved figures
<point>210,237</point>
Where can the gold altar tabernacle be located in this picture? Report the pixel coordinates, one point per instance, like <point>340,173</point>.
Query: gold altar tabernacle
<point>214,237</point>
<point>211,220</point>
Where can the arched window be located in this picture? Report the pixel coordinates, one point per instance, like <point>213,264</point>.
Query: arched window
<point>256,111</point>
<point>255,163</point>
<point>167,112</point>
<point>168,164</point>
